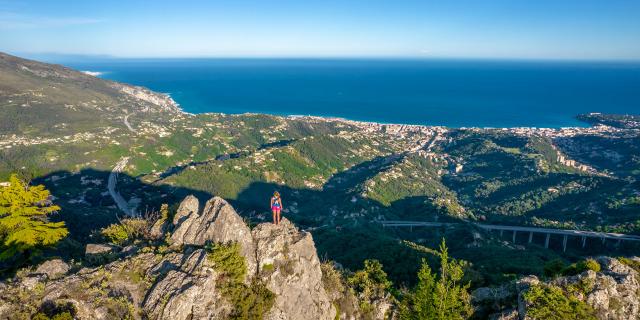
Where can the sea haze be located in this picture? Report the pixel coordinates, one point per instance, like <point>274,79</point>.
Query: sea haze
<point>454,93</point>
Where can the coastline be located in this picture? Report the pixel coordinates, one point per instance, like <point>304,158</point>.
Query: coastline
<point>415,98</point>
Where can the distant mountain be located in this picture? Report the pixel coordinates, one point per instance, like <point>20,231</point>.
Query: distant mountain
<point>40,99</point>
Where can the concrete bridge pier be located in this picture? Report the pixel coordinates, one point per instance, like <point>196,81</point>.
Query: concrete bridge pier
<point>501,232</point>
<point>546,241</point>
<point>564,243</point>
<point>514,236</point>
<point>584,241</point>
<point>530,236</point>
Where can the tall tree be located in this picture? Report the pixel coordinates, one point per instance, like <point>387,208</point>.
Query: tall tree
<point>371,285</point>
<point>442,297</point>
<point>23,219</point>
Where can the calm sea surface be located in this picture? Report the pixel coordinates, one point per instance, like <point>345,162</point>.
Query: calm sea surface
<point>431,92</point>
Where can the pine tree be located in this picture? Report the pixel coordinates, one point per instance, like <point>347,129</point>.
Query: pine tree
<point>442,297</point>
<point>23,219</point>
<point>370,284</point>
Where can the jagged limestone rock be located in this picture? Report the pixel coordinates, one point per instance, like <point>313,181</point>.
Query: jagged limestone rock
<point>613,292</point>
<point>187,292</point>
<point>100,253</point>
<point>189,205</point>
<point>291,269</point>
<point>616,290</point>
<point>184,283</point>
<point>218,222</point>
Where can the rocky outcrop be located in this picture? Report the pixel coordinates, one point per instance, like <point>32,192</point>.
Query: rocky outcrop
<point>218,222</point>
<point>613,293</point>
<point>286,258</point>
<point>181,282</point>
<point>290,267</point>
<point>187,291</point>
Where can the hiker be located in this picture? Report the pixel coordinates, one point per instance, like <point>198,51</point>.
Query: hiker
<point>276,207</point>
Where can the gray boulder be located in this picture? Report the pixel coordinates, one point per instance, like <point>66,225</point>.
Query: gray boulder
<point>100,253</point>
<point>53,268</point>
<point>99,249</point>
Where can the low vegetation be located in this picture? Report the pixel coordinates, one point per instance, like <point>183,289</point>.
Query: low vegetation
<point>552,303</point>
<point>558,267</point>
<point>370,285</point>
<point>251,301</point>
<point>127,231</point>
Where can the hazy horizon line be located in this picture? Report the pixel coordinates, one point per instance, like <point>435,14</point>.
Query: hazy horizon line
<point>55,55</point>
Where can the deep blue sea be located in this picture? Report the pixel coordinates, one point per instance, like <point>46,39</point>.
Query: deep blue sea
<point>453,93</point>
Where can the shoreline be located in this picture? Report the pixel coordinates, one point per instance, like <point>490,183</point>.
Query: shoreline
<point>577,124</point>
<point>393,124</point>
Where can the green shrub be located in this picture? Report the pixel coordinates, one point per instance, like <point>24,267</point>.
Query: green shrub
<point>581,266</point>
<point>635,265</point>
<point>551,303</point>
<point>126,231</point>
<point>268,268</point>
<point>249,301</point>
<point>369,284</point>
<point>335,285</point>
<point>115,233</point>
<point>63,316</point>
<point>331,279</point>
<point>554,267</point>
<point>228,261</point>
<point>50,310</point>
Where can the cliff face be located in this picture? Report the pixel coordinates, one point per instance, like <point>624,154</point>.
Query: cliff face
<point>181,282</point>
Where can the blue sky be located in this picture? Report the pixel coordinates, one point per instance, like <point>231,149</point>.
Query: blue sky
<point>526,29</point>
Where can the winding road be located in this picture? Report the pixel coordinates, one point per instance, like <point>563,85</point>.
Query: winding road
<point>126,123</point>
<point>111,186</point>
<point>122,204</point>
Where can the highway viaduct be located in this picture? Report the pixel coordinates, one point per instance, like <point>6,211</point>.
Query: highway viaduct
<point>583,235</point>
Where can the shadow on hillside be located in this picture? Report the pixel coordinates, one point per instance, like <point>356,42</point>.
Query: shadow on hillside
<point>87,205</point>
<point>361,172</point>
<point>337,215</point>
<point>223,157</point>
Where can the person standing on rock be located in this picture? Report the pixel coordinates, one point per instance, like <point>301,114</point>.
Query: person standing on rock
<point>276,207</point>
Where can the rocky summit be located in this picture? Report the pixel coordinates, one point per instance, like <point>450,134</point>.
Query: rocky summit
<point>180,281</point>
